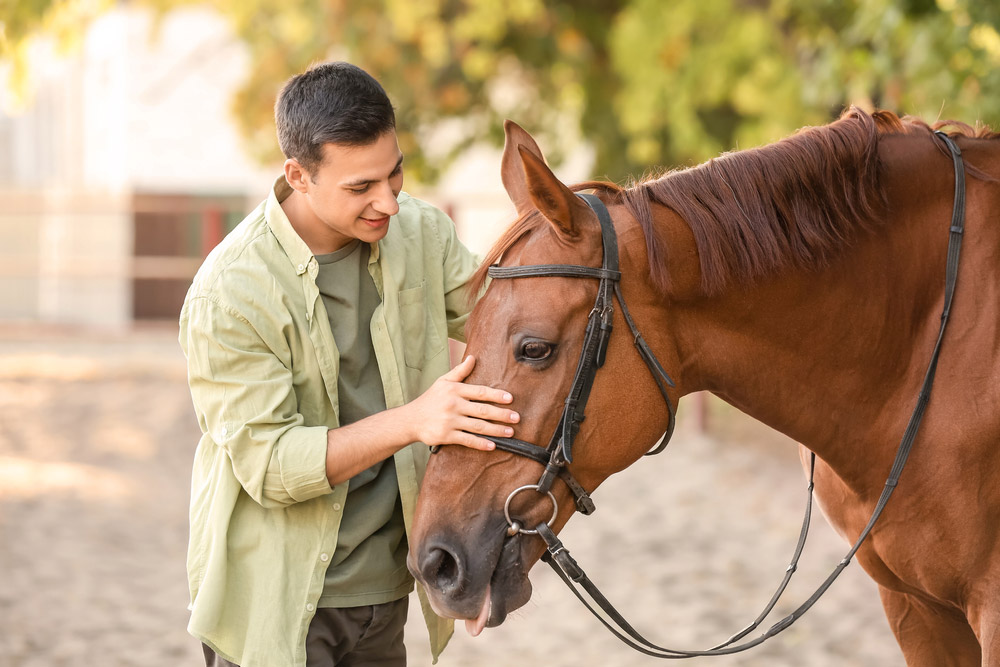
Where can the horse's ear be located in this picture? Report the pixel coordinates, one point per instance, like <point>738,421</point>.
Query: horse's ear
<point>555,201</point>
<point>511,166</point>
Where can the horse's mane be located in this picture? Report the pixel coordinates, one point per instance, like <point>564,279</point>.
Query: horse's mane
<point>794,202</point>
<point>752,212</point>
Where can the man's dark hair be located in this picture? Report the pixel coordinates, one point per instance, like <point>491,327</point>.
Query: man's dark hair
<point>335,103</point>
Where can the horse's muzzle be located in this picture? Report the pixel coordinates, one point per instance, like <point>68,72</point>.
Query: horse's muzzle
<point>484,584</point>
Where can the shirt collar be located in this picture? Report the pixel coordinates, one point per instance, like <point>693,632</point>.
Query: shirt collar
<point>295,248</point>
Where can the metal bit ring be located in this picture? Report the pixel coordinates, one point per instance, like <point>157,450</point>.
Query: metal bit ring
<point>514,527</point>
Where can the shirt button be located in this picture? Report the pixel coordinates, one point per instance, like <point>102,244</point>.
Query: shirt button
<point>301,268</point>
<point>336,506</point>
<point>310,607</point>
<point>324,557</point>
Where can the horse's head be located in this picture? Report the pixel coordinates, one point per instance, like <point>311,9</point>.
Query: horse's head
<point>527,335</point>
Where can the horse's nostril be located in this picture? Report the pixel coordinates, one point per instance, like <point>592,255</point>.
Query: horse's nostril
<point>441,569</point>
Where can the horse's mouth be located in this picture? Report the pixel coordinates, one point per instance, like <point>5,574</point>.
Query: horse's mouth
<point>507,589</point>
<point>510,580</point>
<point>476,625</point>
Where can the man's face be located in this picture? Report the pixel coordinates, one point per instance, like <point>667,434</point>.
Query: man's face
<point>353,192</point>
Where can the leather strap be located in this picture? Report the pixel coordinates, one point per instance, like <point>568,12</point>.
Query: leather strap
<point>552,271</point>
<point>582,499</point>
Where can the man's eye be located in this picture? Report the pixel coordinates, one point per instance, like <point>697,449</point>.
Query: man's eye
<point>359,191</point>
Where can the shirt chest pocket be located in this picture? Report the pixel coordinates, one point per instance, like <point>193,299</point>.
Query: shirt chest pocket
<point>419,332</point>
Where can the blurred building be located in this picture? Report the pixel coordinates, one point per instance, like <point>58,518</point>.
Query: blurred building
<point>121,172</point>
<point>124,169</point>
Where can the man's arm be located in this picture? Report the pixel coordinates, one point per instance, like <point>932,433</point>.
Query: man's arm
<point>448,413</point>
<point>244,398</point>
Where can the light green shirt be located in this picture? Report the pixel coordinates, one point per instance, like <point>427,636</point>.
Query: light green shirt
<point>263,369</point>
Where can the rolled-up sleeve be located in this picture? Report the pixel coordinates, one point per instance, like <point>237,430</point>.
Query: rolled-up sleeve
<point>245,401</point>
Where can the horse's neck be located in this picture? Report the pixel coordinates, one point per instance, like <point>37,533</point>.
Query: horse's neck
<point>800,356</point>
<point>831,358</point>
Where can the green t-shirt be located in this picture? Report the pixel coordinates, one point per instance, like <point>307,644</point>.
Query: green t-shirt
<point>369,564</point>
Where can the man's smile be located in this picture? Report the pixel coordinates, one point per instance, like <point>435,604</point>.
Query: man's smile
<point>376,222</point>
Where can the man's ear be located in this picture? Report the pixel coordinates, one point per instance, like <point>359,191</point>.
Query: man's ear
<point>296,175</point>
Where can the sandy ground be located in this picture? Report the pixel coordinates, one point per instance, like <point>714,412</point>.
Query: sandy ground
<point>96,439</point>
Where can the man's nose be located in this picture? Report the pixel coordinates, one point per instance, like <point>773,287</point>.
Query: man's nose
<point>386,203</point>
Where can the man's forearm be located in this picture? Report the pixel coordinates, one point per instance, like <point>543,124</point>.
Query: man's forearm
<point>448,413</point>
<point>356,447</point>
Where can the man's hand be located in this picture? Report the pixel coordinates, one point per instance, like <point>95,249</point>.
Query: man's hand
<point>451,412</point>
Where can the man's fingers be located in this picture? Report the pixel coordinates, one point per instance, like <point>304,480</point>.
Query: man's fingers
<point>492,413</point>
<point>478,443</point>
<point>464,439</point>
<point>461,371</point>
<point>483,394</point>
<point>481,427</point>
<point>476,392</point>
<point>470,410</point>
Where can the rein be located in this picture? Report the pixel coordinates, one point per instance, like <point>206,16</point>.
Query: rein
<point>556,457</point>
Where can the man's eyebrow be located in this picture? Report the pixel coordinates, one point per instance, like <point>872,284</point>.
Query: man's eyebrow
<point>366,181</point>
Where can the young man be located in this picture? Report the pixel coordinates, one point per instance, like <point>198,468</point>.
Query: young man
<point>316,338</point>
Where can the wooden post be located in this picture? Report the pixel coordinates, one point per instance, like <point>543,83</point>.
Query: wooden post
<point>699,408</point>
<point>212,229</point>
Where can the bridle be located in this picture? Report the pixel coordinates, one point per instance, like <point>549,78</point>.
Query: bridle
<point>559,453</point>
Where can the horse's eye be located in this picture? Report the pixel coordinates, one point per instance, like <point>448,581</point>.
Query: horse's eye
<point>535,350</point>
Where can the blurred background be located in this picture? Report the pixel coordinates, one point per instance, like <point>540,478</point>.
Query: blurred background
<point>135,134</point>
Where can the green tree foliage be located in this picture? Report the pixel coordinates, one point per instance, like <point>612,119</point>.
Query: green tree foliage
<point>646,82</point>
<point>703,76</point>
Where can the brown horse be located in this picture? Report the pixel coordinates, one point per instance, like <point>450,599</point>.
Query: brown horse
<point>801,282</point>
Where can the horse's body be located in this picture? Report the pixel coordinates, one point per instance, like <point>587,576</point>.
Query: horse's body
<point>802,283</point>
